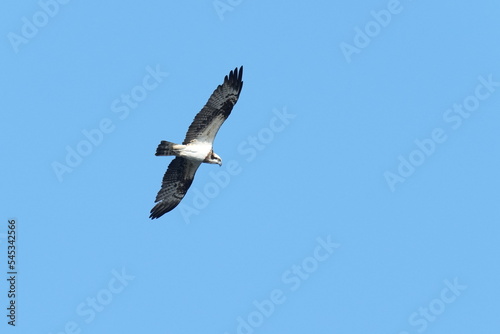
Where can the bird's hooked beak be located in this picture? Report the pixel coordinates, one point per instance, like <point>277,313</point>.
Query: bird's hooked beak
<point>216,159</point>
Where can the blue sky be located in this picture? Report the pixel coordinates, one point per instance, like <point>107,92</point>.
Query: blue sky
<point>359,191</point>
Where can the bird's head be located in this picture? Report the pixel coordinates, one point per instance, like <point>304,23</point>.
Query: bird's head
<point>215,159</point>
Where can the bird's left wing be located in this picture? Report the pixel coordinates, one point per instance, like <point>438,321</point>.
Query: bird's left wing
<point>207,122</point>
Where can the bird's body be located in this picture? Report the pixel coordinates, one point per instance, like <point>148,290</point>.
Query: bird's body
<point>197,147</point>
<point>196,150</point>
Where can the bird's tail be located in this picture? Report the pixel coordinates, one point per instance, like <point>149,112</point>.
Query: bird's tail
<point>168,148</point>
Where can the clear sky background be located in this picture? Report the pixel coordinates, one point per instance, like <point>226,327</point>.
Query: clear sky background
<point>359,191</point>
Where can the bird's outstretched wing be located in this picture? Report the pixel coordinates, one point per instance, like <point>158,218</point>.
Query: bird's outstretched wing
<point>176,182</point>
<point>207,122</point>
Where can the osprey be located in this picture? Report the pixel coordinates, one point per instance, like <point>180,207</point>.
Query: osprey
<point>197,146</point>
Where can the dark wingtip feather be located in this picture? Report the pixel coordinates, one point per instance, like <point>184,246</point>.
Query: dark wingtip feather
<point>235,79</point>
<point>158,211</point>
<point>154,215</point>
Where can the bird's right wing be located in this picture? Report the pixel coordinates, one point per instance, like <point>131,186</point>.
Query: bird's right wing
<point>176,182</point>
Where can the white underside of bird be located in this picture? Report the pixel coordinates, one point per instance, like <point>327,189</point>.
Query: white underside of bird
<point>196,150</point>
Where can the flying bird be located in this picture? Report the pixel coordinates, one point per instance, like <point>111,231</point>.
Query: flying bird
<point>197,147</point>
